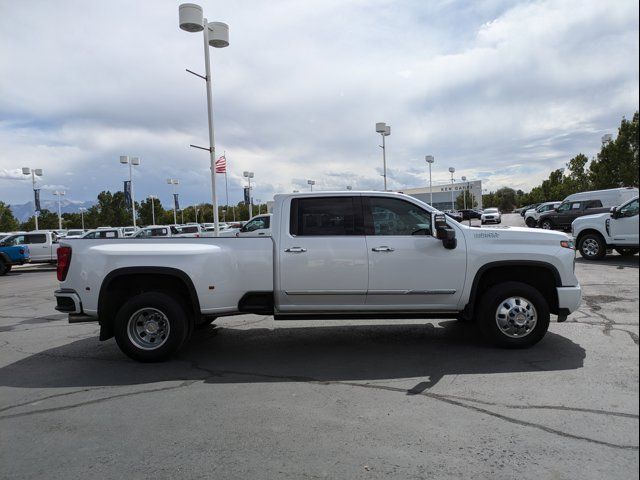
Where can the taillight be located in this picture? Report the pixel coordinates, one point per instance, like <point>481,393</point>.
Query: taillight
<point>64,260</point>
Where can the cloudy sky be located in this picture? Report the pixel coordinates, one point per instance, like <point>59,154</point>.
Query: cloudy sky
<point>504,91</point>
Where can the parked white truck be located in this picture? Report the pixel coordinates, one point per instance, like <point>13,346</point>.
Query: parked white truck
<point>595,234</point>
<point>331,255</point>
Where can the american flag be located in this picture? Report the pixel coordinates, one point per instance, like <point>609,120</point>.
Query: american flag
<point>221,165</point>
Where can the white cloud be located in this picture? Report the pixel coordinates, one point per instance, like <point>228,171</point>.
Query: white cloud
<point>503,91</point>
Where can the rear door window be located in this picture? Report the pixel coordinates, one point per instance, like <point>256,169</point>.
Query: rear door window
<point>326,216</point>
<point>36,238</point>
<point>593,204</point>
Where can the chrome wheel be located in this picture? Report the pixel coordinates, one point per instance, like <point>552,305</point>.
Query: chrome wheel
<point>516,317</point>
<point>590,247</point>
<point>148,328</point>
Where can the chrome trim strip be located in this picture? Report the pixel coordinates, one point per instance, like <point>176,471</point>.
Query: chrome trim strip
<point>325,292</point>
<point>411,292</point>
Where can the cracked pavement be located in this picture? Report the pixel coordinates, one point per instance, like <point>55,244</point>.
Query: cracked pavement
<point>253,398</point>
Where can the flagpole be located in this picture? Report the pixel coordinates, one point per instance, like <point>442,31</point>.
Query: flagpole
<point>226,184</point>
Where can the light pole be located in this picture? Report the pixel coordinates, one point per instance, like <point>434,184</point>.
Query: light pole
<point>259,202</point>
<point>311,183</point>
<point>59,194</point>
<point>429,159</point>
<point>131,161</point>
<point>384,130</point>
<point>249,176</point>
<point>215,34</point>
<point>464,192</point>
<point>174,182</point>
<point>82,210</point>
<point>153,208</point>
<point>33,172</point>
<point>452,170</point>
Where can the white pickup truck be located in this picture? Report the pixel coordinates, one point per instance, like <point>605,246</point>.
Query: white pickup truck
<point>595,234</point>
<point>332,255</point>
<point>43,244</point>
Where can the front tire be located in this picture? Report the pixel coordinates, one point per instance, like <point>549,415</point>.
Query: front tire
<point>531,223</point>
<point>546,225</point>
<point>513,315</point>
<point>627,251</point>
<point>151,326</point>
<point>592,246</point>
<point>3,268</point>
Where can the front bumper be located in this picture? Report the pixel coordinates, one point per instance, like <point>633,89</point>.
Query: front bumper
<point>569,299</point>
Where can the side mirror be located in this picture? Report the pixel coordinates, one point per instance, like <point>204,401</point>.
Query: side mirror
<point>444,232</point>
<point>614,212</point>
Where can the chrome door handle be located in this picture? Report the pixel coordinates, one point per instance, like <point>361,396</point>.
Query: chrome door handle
<point>296,250</point>
<point>382,249</point>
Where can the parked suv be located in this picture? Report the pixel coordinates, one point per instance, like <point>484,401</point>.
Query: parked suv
<point>595,234</point>
<point>532,215</point>
<point>585,203</point>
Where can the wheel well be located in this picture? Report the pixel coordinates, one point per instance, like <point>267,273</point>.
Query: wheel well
<point>542,278</point>
<point>587,232</point>
<point>120,286</point>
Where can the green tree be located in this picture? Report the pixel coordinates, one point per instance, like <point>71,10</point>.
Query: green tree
<point>460,201</point>
<point>8,222</point>
<point>47,220</point>
<point>617,163</point>
<point>145,215</point>
<point>111,210</point>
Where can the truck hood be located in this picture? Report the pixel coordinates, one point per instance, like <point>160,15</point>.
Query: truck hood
<point>590,218</point>
<point>521,234</point>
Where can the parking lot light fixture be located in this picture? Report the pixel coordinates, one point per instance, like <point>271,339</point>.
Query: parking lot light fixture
<point>174,182</point>
<point>34,172</point>
<point>429,159</point>
<point>349,187</point>
<point>452,171</point>
<point>384,130</point>
<point>131,161</point>
<point>311,183</point>
<point>215,34</point>
<point>249,176</point>
<point>59,194</point>
<point>464,192</point>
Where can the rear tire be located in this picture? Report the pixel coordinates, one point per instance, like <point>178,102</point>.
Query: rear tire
<point>546,225</point>
<point>513,315</point>
<point>627,251</point>
<point>592,246</point>
<point>151,326</point>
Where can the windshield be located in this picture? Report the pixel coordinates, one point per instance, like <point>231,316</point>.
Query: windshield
<point>491,210</point>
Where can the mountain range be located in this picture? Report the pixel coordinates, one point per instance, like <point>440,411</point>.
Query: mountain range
<point>24,211</point>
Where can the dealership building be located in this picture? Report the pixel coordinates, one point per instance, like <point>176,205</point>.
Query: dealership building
<point>442,194</point>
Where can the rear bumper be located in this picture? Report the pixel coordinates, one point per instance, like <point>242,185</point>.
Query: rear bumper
<point>569,298</point>
<point>68,301</point>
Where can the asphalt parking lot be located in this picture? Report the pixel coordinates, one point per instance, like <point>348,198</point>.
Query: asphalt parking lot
<point>250,398</point>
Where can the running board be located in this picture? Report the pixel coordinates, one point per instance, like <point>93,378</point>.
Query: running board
<point>366,316</point>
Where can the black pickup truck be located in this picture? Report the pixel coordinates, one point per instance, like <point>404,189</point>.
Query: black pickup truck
<point>568,211</point>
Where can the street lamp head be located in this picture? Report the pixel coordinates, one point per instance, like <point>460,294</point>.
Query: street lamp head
<point>247,174</point>
<point>311,182</point>
<point>26,171</point>
<point>452,170</point>
<point>349,187</point>
<point>38,172</point>
<point>381,127</point>
<point>464,179</point>
<point>135,160</point>
<point>607,138</point>
<point>429,159</point>
<point>190,17</point>
<point>124,158</point>
<point>387,131</point>
<point>218,34</point>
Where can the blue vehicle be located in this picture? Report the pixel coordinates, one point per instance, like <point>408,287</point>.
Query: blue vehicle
<point>11,255</point>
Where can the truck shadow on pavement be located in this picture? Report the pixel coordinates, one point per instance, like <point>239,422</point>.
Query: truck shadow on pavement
<point>612,261</point>
<point>423,354</point>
